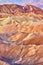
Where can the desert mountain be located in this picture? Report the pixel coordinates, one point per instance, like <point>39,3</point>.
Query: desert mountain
<point>21,35</point>
<point>8,9</point>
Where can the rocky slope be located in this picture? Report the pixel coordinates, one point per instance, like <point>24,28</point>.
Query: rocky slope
<point>21,35</point>
<point>13,9</point>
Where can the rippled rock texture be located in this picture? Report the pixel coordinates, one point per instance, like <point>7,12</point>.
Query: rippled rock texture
<point>14,9</point>
<point>21,39</point>
<point>21,54</point>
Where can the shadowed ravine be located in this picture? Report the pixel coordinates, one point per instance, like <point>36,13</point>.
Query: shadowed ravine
<point>8,60</point>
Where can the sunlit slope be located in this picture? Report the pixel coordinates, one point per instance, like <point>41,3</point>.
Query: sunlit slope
<point>20,20</point>
<point>26,29</point>
<point>14,9</point>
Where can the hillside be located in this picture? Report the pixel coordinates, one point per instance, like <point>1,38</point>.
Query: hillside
<point>14,9</point>
<point>21,35</point>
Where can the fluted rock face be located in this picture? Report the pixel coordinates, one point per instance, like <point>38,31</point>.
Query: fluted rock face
<point>13,9</point>
<point>31,8</point>
<point>21,35</point>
